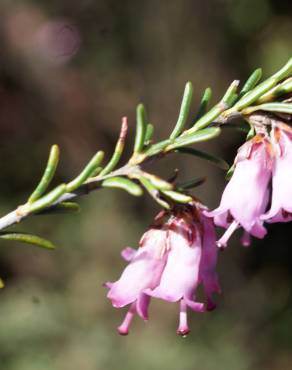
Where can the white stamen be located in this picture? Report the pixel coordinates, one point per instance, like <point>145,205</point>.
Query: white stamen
<point>222,242</point>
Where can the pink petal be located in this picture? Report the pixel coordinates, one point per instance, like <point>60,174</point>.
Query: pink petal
<point>180,275</point>
<point>281,208</point>
<point>128,253</point>
<point>142,305</point>
<point>143,271</point>
<point>246,195</point>
<point>195,306</point>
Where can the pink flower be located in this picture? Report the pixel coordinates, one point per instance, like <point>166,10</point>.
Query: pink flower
<point>178,256</point>
<point>281,208</point>
<point>144,271</point>
<point>192,260</point>
<point>245,197</point>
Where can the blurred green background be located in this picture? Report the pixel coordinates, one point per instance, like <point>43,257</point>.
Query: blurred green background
<point>72,87</point>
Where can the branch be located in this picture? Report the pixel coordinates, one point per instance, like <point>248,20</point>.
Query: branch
<point>253,100</point>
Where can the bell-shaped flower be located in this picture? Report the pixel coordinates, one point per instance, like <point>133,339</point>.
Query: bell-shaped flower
<point>144,271</point>
<point>246,196</point>
<point>175,256</point>
<point>180,276</point>
<point>192,257</point>
<point>281,207</point>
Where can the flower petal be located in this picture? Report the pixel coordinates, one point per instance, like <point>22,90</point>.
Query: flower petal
<point>143,272</point>
<point>246,195</point>
<point>281,208</point>
<point>142,305</point>
<point>128,253</point>
<point>180,275</point>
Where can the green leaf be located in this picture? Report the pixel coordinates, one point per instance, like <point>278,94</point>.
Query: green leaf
<point>199,136</point>
<point>96,172</point>
<point>251,82</point>
<point>124,184</point>
<point>270,107</point>
<point>153,192</point>
<point>177,197</point>
<point>88,171</point>
<point>159,183</point>
<point>118,149</point>
<point>219,162</point>
<point>28,239</point>
<point>282,89</point>
<point>157,148</point>
<point>263,87</point>
<point>2,284</point>
<point>149,133</point>
<point>184,111</point>
<point>204,103</point>
<point>227,100</point>
<point>190,184</point>
<point>230,94</point>
<point>230,172</point>
<point>206,119</point>
<point>48,174</point>
<point>284,72</point>
<point>140,128</point>
<point>63,207</point>
<point>47,200</point>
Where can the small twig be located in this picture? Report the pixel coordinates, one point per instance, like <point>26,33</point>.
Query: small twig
<point>232,106</point>
<point>21,213</point>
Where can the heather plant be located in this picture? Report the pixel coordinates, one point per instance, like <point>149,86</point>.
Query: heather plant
<point>179,252</point>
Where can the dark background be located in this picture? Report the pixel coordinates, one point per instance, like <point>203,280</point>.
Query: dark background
<point>72,88</point>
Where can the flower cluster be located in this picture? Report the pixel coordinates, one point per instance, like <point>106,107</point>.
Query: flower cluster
<point>262,176</point>
<point>179,251</point>
<point>176,255</point>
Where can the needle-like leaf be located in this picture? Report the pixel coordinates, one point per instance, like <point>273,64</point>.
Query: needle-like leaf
<point>48,174</point>
<point>28,239</point>
<point>123,183</point>
<point>184,111</point>
<point>219,162</point>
